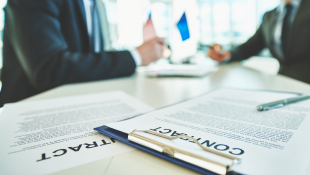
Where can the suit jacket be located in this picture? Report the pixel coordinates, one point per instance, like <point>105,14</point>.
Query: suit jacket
<point>297,62</point>
<point>46,44</point>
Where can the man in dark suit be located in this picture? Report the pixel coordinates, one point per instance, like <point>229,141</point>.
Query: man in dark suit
<point>48,43</point>
<point>286,32</point>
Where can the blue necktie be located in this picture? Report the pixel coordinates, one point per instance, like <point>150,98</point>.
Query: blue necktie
<point>96,39</point>
<point>286,29</point>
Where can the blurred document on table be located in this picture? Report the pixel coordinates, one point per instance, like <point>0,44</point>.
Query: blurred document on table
<point>226,120</point>
<point>179,70</point>
<point>47,136</point>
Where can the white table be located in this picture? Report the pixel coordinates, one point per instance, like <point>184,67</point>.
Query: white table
<point>160,92</point>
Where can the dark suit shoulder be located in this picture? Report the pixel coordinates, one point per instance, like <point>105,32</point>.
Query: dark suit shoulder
<point>48,6</point>
<point>270,14</point>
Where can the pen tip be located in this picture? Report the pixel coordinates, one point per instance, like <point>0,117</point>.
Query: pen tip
<point>259,108</point>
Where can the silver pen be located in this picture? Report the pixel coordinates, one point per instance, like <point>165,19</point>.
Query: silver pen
<point>281,103</point>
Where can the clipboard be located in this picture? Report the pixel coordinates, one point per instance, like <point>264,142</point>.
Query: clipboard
<point>188,160</point>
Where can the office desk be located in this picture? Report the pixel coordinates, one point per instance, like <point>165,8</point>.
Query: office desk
<point>160,92</point>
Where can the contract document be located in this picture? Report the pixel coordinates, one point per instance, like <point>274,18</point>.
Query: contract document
<point>47,136</point>
<point>226,120</point>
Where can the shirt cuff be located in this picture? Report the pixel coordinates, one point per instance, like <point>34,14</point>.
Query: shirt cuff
<point>136,56</point>
<point>226,61</point>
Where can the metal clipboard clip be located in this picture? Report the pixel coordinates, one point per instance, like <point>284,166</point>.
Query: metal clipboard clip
<point>194,159</point>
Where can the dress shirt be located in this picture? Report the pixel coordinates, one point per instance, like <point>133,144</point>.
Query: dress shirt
<point>281,11</point>
<point>87,5</point>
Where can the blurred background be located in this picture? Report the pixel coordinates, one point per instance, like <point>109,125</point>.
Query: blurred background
<point>226,22</point>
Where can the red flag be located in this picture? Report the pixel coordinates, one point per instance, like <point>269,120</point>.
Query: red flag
<point>149,30</point>
<point>149,34</point>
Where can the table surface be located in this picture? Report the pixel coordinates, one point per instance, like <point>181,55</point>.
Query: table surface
<point>160,92</point>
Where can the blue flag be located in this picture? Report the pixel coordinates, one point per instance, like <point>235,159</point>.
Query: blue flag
<point>183,27</point>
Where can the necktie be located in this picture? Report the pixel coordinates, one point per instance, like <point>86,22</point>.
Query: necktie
<point>286,28</point>
<point>96,39</point>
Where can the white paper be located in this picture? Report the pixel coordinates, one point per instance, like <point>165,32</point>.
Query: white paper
<point>226,120</point>
<point>47,136</point>
<point>179,70</point>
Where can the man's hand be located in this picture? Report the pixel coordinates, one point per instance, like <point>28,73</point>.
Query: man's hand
<point>151,50</point>
<point>216,53</point>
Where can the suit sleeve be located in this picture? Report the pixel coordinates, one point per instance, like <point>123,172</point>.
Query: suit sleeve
<point>252,47</point>
<point>35,33</point>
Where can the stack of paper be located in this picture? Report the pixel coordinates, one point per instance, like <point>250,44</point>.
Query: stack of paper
<point>48,136</point>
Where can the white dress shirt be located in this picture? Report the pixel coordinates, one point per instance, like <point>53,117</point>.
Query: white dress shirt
<point>281,12</point>
<point>87,5</point>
